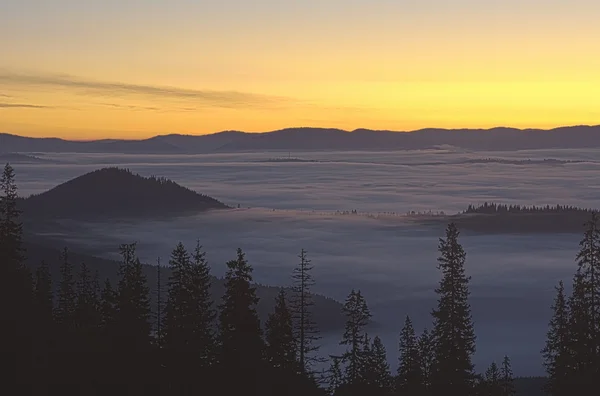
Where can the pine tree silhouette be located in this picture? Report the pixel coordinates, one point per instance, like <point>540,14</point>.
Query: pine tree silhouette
<point>357,318</point>
<point>453,334</point>
<point>306,332</point>
<point>410,379</point>
<point>556,352</point>
<point>240,333</point>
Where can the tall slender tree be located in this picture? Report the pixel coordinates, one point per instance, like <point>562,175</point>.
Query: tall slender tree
<point>239,330</point>
<point>201,309</point>
<point>131,339</point>
<point>15,283</point>
<point>492,385</point>
<point>410,380</point>
<point>426,358</point>
<point>302,303</point>
<point>557,352</point>
<point>281,346</point>
<point>506,378</point>
<point>357,318</point>
<point>66,309</point>
<point>453,333</point>
<point>380,378</point>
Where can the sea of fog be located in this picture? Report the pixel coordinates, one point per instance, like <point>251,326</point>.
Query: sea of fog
<point>286,206</point>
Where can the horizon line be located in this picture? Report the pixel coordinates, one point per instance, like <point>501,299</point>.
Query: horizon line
<point>302,127</point>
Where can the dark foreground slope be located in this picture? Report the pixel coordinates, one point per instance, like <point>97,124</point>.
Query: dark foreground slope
<point>116,193</point>
<point>327,312</point>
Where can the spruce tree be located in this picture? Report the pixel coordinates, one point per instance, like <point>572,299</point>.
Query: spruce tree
<point>280,343</point>
<point>453,334</point>
<point>357,318</point>
<point>410,380</point>
<point>306,332</point>
<point>381,380</point>
<point>336,380</point>
<point>556,353</point>
<point>579,364</point>
<point>492,381</point>
<point>131,338</point>
<point>240,333</point>
<point>43,295</point>
<point>202,312</point>
<point>15,283</point>
<point>588,304</point>
<point>66,309</point>
<point>426,358</point>
<point>87,304</point>
<point>178,326</point>
<point>506,378</point>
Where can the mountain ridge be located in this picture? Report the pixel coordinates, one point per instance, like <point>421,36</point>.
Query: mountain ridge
<point>313,138</point>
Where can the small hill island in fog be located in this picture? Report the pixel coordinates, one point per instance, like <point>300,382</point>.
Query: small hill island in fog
<point>117,193</point>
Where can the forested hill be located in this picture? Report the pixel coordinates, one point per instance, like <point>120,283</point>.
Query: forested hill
<point>327,312</point>
<point>493,218</point>
<point>116,193</point>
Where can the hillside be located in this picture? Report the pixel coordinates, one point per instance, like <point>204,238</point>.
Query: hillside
<point>491,218</point>
<point>116,193</point>
<point>327,312</point>
<point>294,139</point>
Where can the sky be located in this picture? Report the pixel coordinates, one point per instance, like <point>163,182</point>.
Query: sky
<point>86,69</point>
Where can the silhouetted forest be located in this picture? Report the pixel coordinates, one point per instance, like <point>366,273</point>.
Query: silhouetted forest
<point>116,193</point>
<point>493,208</point>
<point>88,335</point>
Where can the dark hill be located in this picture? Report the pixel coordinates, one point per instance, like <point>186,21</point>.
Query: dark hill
<point>116,193</point>
<point>327,312</point>
<point>491,218</point>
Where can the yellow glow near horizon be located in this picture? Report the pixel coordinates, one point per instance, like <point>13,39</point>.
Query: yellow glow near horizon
<point>377,64</point>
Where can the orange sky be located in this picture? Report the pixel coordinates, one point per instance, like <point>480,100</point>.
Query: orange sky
<point>133,68</point>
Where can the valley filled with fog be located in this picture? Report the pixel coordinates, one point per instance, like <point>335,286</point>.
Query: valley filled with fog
<point>289,201</point>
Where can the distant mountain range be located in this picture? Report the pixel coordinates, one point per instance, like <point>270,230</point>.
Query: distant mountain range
<point>307,139</point>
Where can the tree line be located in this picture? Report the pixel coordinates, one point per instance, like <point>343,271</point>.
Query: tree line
<point>96,337</point>
<point>494,208</point>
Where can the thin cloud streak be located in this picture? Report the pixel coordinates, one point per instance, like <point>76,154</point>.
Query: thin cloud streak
<point>224,99</point>
<point>22,105</point>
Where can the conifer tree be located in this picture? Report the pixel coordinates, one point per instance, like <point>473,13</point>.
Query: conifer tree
<point>281,346</point>
<point>202,312</point>
<point>66,309</point>
<point>506,378</point>
<point>381,377</point>
<point>178,326</point>
<point>579,365</point>
<point>43,295</point>
<point>453,334</point>
<point>43,324</point>
<point>306,332</point>
<point>15,283</point>
<point>492,381</point>
<point>159,304</point>
<point>239,330</point>
<point>586,306</point>
<point>108,307</point>
<point>131,337</point>
<point>556,353</point>
<point>336,380</point>
<point>87,304</point>
<point>426,358</point>
<point>410,380</point>
<point>357,318</point>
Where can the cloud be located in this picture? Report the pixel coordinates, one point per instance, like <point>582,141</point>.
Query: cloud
<point>23,106</point>
<point>200,98</point>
